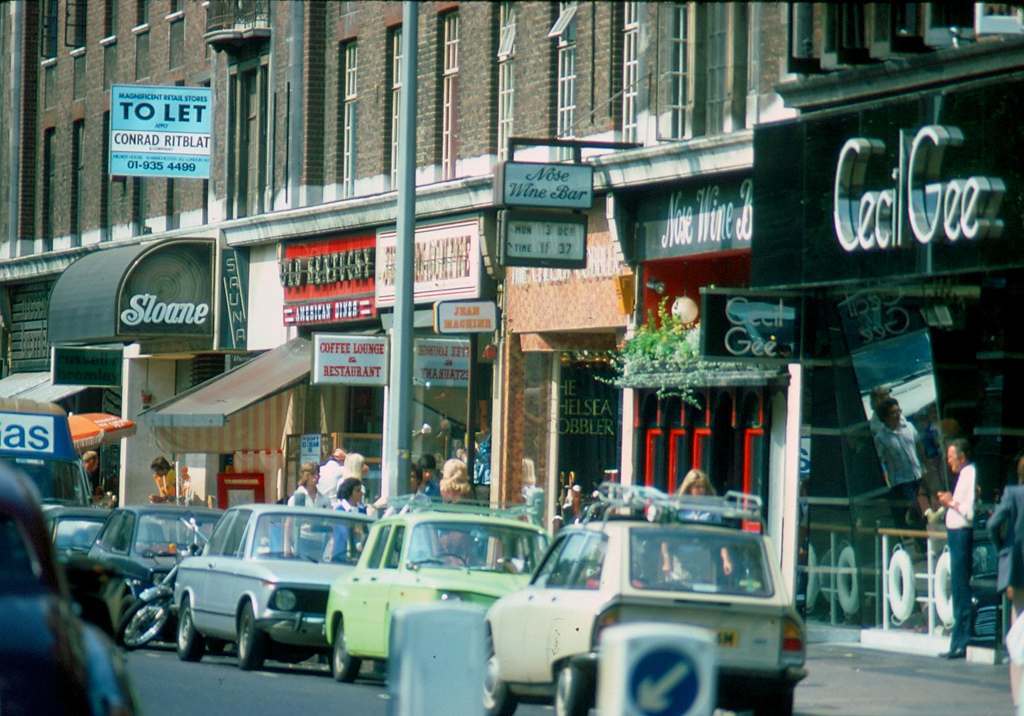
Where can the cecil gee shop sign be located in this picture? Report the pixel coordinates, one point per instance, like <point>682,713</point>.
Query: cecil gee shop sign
<point>160,131</point>
<point>349,360</point>
<point>738,325</point>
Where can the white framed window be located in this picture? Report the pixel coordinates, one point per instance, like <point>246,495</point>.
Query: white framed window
<point>450,82</point>
<point>566,112</point>
<point>630,68</point>
<point>396,99</point>
<point>679,70</point>
<point>350,69</point>
<point>506,77</point>
<point>717,69</point>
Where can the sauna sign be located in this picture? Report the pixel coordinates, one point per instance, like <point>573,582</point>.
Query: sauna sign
<point>160,131</point>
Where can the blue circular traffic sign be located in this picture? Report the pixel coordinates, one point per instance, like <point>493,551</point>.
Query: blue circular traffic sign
<point>664,682</point>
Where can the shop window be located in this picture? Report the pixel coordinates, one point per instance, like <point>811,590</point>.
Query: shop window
<point>395,68</point>
<point>722,468</point>
<point>449,98</point>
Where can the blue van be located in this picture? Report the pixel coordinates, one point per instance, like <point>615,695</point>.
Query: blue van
<point>35,440</point>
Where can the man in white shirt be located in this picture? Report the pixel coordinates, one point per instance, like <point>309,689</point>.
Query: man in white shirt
<point>331,475</point>
<point>960,536</point>
<point>306,494</point>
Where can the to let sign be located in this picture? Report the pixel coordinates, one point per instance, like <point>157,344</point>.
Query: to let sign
<point>465,317</point>
<point>160,131</point>
<point>349,360</point>
<point>549,186</point>
<point>96,367</point>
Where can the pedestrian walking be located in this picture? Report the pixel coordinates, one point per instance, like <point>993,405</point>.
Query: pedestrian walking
<point>959,534</point>
<point>1006,528</point>
<point>306,494</point>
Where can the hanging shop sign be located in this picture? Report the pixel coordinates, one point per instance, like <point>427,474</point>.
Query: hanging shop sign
<point>169,292</point>
<point>29,350</point>
<point>738,325</point>
<point>97,367</point>
<point>446,264</point>
<point>234,299</point>
<point>701,217</point>
<point>542,239</point>
<point>329,280</point>
<point>548,186</point>
<point>349,360</point>
<point>920,186</point>
<point>465,317</point>
<point>441,363</point>
<point>160,131</point>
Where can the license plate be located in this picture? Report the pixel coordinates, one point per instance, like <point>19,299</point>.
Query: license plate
<point>728,639</point>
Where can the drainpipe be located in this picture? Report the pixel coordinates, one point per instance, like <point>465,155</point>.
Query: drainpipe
<point>17,12</point>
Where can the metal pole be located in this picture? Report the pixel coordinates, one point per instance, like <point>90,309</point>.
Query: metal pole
<point>399,424</point>
<point>470,405</point>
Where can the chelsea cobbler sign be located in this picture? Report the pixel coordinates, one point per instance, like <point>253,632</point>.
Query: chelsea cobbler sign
<point>936,204</point>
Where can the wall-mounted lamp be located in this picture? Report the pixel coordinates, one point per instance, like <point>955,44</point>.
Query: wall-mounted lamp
<point>686,310</point>
<point>655,285</point>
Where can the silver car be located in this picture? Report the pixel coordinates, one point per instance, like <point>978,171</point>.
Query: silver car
<point>262,582</point>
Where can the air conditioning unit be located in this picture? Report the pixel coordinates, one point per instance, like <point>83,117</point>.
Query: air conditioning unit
<point>995,18</point>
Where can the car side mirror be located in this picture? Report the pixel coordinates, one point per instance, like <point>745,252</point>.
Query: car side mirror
<point>194,549</point>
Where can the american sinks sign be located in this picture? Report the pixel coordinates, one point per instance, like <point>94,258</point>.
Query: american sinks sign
<point>549,186</point>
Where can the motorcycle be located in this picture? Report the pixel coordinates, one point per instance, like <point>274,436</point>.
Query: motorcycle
<point>146,619</point>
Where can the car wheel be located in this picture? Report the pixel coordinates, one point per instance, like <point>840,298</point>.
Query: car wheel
<point>778,704</point>
<point>344,666</point>
<point>252,643</point>
<point>498,701</point>
<point>573,692</point>
<point>190,642</point>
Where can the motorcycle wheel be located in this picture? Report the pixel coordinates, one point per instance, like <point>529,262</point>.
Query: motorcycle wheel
<point>142,623</point>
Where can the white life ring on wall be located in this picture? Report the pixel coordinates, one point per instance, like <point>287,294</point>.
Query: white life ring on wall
<point>848,583</point>
<point>902,592</point>
<point>813,582</point>
<point>943,590</point>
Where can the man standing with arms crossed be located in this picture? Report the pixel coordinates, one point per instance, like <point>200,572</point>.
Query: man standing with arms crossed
<point>959,525</point>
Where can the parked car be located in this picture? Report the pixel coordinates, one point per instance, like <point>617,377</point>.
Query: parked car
<point>136,547</point>
<point>73,529</point>
<point>688,566</point>
<point>50,662</point>
<point>425,556</point>
<point>35,440</point>
<point>262,582</point>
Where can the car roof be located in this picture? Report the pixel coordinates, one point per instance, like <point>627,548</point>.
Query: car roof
<point>55,512</point>
<point>171,510</point>
<point>275,509</point>
<point>30,407</point>
<point>441,515</point>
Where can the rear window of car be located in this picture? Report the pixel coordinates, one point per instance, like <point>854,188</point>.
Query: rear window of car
<point>76,533</point>
<point>700,561</point>
<point>164,533</point>
<point>17,562</point>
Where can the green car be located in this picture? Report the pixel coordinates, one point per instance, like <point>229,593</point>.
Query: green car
<point>424,556</point>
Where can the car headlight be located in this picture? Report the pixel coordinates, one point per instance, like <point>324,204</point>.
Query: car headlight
<point>285,599</point>
<point>450,597</point>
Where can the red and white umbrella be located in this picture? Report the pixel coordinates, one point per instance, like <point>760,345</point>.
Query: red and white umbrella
<point>89,430</point>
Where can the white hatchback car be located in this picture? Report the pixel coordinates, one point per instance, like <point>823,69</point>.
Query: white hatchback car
<point>645,557</point>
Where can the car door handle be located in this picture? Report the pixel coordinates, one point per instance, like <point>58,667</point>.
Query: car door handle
<point>529,598</point>
<point>554,599</point>
<point>355,579</point>
<point>373,579</point>
<point>211,565</point>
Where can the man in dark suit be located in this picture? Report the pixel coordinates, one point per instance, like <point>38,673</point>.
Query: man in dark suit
<point>1006,528</point>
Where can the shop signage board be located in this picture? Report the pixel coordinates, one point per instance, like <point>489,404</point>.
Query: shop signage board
<point>543,239</point>
<point>96,367</point>
<point>329,280</point>
<point>349,360</point>
<point>900,187</point>
<point>446,266</point>
<point>544,185</point>
<point>29,348</point>
<point>441,363</point>
<point>309,448</point>
<point>465,317</point>
<point>160,131</point>
<point>233,321</point>
<point>740,325</point>
<point>169,292</point>
<point>699,217</point>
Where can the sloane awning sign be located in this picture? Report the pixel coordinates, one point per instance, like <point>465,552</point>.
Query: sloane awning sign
<point>548,186</point>
<point>160,131</point>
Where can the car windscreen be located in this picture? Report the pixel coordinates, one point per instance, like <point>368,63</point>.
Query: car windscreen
<point>58,481</point>
<point>163,534</point>
<point>18,564</point>
<point>317,536</point>
<point>716,561</point>
<point>76,533</point>
<point>478,546</point>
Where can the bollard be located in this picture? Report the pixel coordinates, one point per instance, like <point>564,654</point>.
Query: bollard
<point>657,670</point>
<point>437,660</point>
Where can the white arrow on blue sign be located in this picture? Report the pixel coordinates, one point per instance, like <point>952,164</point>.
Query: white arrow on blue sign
<point>665,682</point>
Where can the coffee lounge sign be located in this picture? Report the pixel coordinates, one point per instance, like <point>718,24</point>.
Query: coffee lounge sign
<point>699,218</point>
<point>937,204</point>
